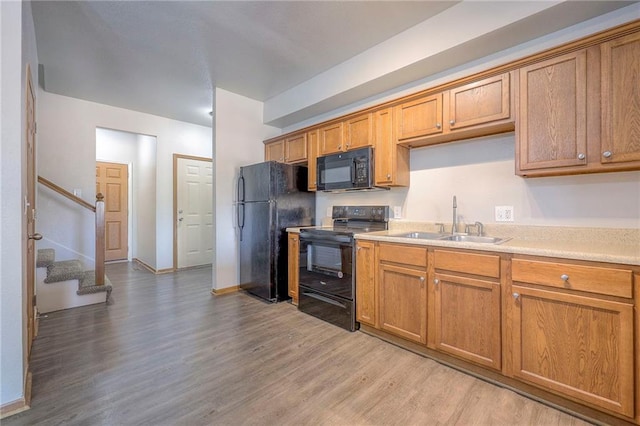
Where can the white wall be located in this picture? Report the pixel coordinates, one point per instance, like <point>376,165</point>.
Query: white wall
<point>239,133</point>
<point>67,155</point>
<point>139,153</point>
<point>481,173</point>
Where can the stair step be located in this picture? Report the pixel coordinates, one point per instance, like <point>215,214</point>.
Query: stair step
<point>45,257</point>
<point>88,285</point>
<point>64,270</point>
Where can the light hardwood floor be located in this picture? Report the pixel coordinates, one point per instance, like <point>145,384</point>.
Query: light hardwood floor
<point>169,353</point>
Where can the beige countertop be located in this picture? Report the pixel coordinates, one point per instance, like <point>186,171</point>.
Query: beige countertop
<point>610,245</point>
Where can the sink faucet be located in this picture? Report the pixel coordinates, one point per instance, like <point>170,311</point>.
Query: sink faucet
<point>454,227</point>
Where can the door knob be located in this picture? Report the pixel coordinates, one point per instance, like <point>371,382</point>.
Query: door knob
<point>35,236</point>
<point>181,219</point>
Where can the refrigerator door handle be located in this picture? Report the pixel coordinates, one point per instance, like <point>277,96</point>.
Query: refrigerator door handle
<point>240,218</point>
<point>240,187</point>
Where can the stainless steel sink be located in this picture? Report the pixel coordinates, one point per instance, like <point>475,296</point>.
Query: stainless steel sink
<point>475,239</point>
<point>420,235</point>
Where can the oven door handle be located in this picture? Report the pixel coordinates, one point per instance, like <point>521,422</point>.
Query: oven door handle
<point>324,299</point>
<point>327,238</point>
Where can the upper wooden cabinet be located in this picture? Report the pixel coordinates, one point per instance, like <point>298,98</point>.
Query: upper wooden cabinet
<point>476,109</point>
<point>620,83</point>
<point>552,125</point>
<point>312,154</point>
<point>291,150</point>
<point>330,139</point>
<point>274,151</point>
<point>391,160</point>
<point>358,132</point>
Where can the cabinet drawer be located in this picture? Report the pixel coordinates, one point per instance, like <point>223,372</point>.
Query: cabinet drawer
<point>592,279</point>
<point>487,265</point>
<point>407,255</point>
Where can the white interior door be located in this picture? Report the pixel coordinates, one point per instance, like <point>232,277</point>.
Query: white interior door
<point>194,212</point>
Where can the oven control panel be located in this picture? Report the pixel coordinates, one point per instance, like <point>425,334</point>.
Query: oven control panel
<point>362,213</point>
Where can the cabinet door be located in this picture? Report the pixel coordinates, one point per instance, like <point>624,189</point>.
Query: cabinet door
<point>312,143</point>
<point>620,87</point>
<point>366,292</point>
<point>358,132</point>
<point>274,151</point>
<point>580,347</point>
<point>467,318</point>
<point>480,102</point>
<point>553,114</point>
<point>330,139</point>
<point>403,302</point>
<point>418,118</point>
<point>296,149</point>
<point>294,247</point>
<point>391,160</point>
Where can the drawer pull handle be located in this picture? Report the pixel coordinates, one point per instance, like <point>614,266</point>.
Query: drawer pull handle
<point>516,296</point>
<point>564,277</point>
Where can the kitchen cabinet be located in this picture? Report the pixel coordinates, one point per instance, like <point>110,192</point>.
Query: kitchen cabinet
<point>274,151</point>
<point>293,266</point>
<point>312,153</point>
<point>330,139</point>
<point>291,150</point>
<point>358,132</point>
<point>467,299</point>
<point>620,85</point>
<point>569,335</point>
<point>552,125</point>
<point>366,291</point>
<point>391,160</point>
<point>474,109</point>
<point>403,292</point>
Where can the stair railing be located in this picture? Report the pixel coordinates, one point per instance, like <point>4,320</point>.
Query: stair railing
<point>98,209</point>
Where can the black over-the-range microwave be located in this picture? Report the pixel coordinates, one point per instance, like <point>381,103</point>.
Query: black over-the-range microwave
<point>346,171</point>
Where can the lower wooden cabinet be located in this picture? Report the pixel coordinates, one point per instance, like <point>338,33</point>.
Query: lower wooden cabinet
<point>580,347</point>
<point>294,275</point>
<point>366,289</point>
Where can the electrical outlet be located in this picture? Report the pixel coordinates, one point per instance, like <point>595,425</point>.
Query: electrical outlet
<point>504,213</point>
<point>397,212</point>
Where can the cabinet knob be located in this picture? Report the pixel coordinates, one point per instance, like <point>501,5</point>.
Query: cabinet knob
<point>436,281</point>
<point>359,248</point>
<point>564,277</point>
<point>348,145</point>
<point>339,146</point>
<point>388,175</point>
<point>421,279</point>
<point>516,296</point>
<point>438,125</point>
<point>581,156</point>
<point>607,154</point>
<point>452,122</point>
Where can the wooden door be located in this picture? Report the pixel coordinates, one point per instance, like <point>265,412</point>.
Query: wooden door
<point>330,139</point>
<point>358,132</point>
<point>581,347</point>
<point>294,265</point>
<point>194,211</point>
<point>418,118</point>
<point>620,87</point>
<point>467,318</point>
<point>312,142</point>
<point>553,113</point>
<point>112,180</point>
<point>403,302</point>
<point>480,102</point>
<point>366,292</point>
<point>296,149</point>
<point>31,236</point>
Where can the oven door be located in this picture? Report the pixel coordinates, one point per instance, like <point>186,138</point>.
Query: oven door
<point>326,263</point>
<point>334,310</point>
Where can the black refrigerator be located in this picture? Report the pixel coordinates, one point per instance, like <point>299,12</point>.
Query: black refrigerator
<point>271,197</point>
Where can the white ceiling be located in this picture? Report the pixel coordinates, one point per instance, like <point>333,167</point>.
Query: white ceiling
<point>166,58</point>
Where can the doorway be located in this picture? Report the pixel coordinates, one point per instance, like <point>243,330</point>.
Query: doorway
<point>193,211</point>
<point>30,210</point>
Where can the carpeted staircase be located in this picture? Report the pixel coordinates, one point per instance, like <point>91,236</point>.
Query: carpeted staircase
<point>65,284</point>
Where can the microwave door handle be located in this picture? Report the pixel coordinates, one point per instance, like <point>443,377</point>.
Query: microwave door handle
<point>353,171</point>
